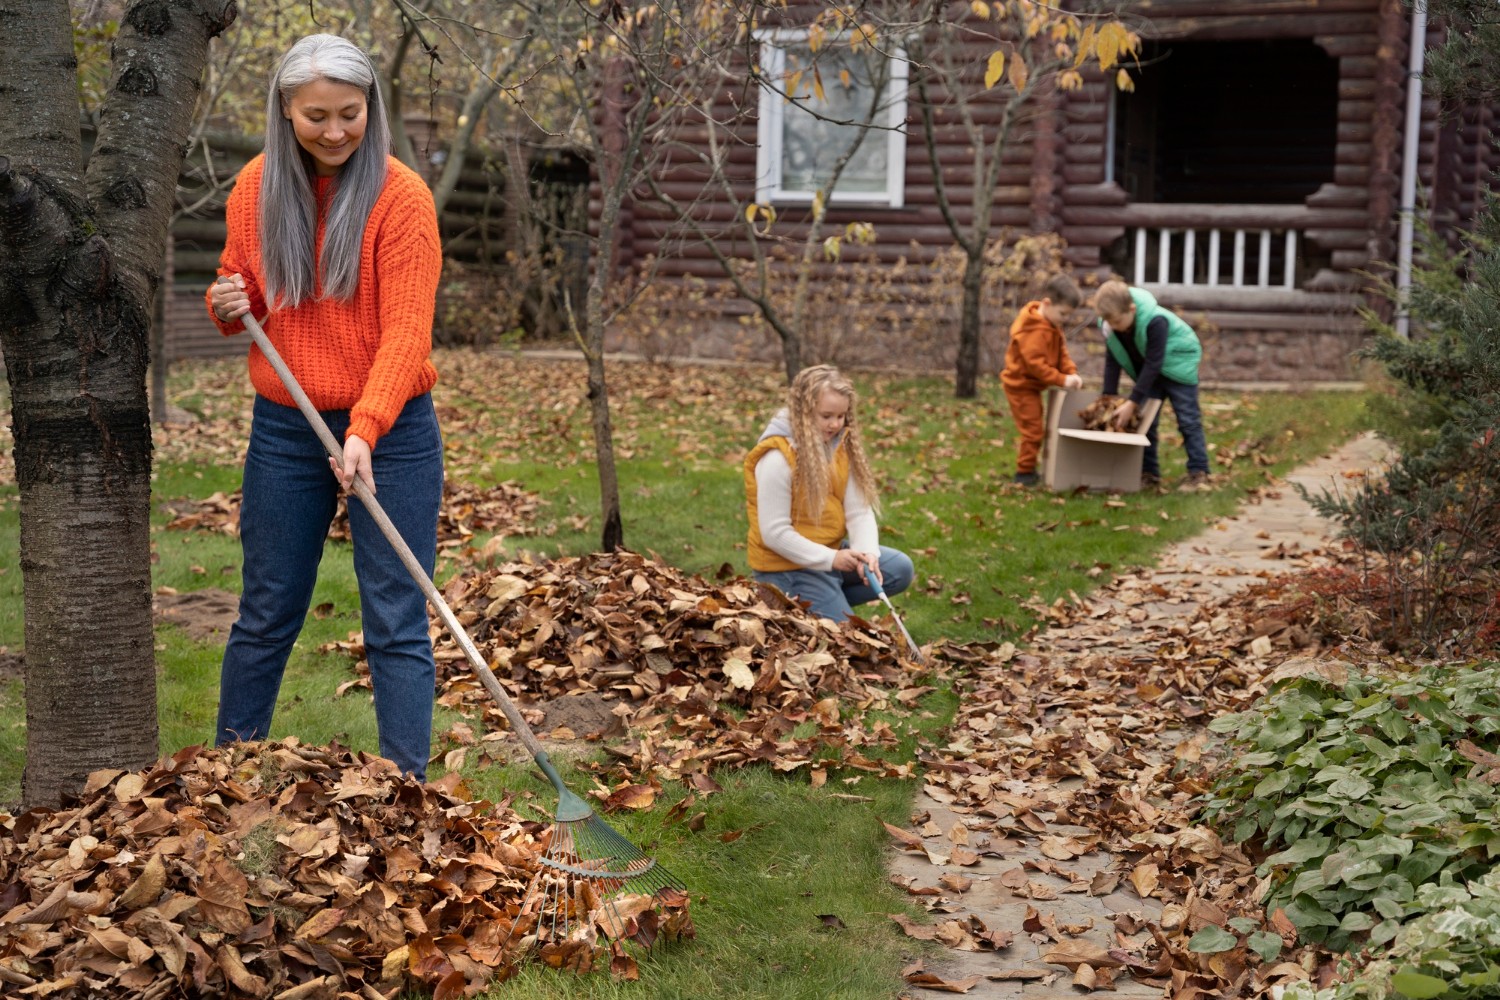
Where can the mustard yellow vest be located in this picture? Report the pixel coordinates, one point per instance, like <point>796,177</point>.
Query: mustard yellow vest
<point>829,529</point>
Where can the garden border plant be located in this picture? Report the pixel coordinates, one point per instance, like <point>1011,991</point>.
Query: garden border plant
<point>1357,794</point>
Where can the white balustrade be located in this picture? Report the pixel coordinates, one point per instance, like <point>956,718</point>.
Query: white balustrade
<point>1177,257</point>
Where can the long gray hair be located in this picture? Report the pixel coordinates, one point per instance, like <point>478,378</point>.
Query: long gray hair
<point>288,208</point>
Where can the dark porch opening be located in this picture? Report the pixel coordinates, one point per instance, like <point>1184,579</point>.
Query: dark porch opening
<point>1236,122</point>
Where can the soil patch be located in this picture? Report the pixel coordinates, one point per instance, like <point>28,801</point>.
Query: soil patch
<point>204,615</point>
<point>583,714</point>
<point>12,667</point>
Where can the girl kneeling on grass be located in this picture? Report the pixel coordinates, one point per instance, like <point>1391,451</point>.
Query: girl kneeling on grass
<point>812,502</point>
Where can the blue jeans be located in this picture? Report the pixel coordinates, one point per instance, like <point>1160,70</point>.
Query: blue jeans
<point>1184,400</point>
<point>833,594</point>
<point>289,500</point>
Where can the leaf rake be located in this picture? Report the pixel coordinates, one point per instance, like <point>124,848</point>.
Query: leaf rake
<point>592,881</point>
<point>916,651</point>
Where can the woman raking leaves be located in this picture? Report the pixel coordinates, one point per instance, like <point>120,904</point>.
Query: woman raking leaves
<point>336,244</point>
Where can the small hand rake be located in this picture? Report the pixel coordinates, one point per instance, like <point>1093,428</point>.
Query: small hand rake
<point>916,654</point>
<point>588,867</point>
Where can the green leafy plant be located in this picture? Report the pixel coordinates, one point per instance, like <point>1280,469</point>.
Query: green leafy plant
<point>1451,950</point>
<point>1214,940</point>
<point>1359,794</point>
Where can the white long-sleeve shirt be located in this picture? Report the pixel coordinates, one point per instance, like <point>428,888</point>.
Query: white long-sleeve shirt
<point>773,491</point>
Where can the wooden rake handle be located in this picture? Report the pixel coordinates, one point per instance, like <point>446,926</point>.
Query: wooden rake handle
<point>408,559</point>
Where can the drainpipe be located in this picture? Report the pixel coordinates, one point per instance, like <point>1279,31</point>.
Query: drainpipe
<point>1413,130</point>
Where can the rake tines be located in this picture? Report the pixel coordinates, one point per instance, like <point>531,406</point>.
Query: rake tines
<point>590,849</point>
<point>594,886</point>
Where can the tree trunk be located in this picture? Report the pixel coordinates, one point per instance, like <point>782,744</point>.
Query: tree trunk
<point>458,147</point>
<point>791,354</point>
<point>77,276</point>
<point>159,359</point>
<point>612,528</point>
<point>616,142</point>
<point>966,372</point>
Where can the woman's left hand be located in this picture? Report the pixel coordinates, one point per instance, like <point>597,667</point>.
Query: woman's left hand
<point>356,463</point>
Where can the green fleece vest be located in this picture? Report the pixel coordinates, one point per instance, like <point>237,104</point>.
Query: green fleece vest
<point>1183,350</point>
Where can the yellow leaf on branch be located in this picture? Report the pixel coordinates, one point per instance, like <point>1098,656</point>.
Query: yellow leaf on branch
<point>1124,82</point>
<point>1108,44</point>
<point>980,9</point>
<point>995,70</point>
<point>1085,45</point>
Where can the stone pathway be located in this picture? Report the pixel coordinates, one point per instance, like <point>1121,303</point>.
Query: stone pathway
<point>1230,555</point>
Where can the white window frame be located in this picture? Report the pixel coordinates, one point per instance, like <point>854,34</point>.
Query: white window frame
<point>771,125</point>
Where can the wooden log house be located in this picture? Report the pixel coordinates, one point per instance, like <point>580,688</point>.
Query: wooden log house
<point>1250,181</point>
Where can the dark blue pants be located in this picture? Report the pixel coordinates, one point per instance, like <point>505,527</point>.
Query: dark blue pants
<point>1184,400</point>
<point>832,594</point>
<point>290,498</point>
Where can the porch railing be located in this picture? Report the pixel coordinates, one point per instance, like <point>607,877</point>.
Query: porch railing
<point>1215,256</point>
<point>1230,246</point>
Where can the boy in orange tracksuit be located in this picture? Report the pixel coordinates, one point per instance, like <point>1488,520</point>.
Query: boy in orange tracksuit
<point>1037,358</point>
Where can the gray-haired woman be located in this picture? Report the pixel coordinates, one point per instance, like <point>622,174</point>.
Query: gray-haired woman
<point>336,244</point>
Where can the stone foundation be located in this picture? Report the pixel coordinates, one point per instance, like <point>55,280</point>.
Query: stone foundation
<point>1228,355</point>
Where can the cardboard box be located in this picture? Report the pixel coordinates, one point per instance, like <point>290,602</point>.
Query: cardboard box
<point>1100,460</point>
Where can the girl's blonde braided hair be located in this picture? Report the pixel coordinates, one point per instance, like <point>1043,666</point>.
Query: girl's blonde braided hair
<point>812,473</point>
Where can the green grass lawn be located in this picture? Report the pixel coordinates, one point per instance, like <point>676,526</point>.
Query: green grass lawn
<point>987,554</point>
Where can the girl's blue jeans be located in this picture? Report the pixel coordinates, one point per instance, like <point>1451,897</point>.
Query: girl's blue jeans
<point>832,594</point>
<point>289,500</point>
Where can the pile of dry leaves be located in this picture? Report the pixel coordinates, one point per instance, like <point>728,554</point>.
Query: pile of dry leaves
<point>283,870</point>
<point>707,674</point>
<point>505,510</point>
<point>1096,416</point>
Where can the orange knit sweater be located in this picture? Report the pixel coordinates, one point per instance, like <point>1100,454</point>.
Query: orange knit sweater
<point>370,354</point>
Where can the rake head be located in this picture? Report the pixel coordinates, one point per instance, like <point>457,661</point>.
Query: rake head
<point>592,889</point>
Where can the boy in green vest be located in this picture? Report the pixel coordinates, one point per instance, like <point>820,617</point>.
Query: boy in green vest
<point>1161,354</point>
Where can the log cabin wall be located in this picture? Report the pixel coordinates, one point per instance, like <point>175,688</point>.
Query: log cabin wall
<point>1296,319</point>
<point>1463,167</point>
<point>906,238</point>
<point>1292,312</point>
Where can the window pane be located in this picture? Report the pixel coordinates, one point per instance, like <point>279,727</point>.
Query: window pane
<point>811,146</point>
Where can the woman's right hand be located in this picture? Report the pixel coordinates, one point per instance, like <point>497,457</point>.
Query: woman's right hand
<point>229,298</point>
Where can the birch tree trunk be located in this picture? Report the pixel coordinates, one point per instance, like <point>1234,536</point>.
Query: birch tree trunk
<point>80,258</point>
